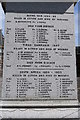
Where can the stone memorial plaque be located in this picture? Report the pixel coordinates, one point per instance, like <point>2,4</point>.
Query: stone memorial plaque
<point>39,57</point>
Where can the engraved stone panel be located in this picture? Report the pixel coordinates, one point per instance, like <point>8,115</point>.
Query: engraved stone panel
<point>39,56</point>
